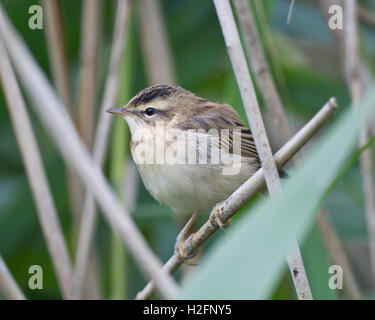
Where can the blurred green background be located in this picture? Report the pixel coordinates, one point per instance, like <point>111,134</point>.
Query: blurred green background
<point>304,61</point>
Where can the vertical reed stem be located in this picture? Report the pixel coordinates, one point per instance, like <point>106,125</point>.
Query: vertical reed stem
<point>237,57</point>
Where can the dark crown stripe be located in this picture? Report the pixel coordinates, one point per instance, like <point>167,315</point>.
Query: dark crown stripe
<point>150,93</point>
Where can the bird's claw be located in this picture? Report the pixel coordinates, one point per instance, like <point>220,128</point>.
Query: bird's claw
<point>182,238</point>
<point>215,218</point>
<point>181,254</point>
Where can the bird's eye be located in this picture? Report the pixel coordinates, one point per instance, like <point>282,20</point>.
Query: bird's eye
<point>149,111</point>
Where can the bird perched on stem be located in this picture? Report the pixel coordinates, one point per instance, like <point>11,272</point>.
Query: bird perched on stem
<point>192,153</point>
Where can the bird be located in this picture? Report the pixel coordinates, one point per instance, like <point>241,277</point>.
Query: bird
<point>191,153</point>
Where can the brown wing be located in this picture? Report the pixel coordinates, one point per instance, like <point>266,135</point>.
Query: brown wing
<point>220,116</point>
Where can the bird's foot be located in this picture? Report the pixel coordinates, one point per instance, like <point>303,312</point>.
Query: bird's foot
<point>215,218</point>
<point>181,239</point>
<point>182,255</point>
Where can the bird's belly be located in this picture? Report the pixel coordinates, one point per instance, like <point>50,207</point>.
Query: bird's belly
<point>187,188</point>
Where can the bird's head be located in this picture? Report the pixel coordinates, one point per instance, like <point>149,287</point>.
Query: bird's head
<point>159,103</point>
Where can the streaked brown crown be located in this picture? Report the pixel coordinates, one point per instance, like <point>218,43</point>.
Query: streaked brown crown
<point>162,91</point>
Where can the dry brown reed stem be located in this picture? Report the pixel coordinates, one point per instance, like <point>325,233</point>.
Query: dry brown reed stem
<point>46,209</point>
<point>337,255</point>
<point>270,43</point>
<point>102,134</point>
<point>155,45</point>
<point>338,34</point>
<point>58,62</point>
<point>261,71</point>
<point>366,14</point>
<point>8,286</point>
<point>62,131</point>
<point>248,190</point>
<point>339,37</point>
<point>90,32</point>
<point>57,54</point>
<point>57,51</point>
<point>239,65</point>
<point>356,88</point>
<point>275,109</point>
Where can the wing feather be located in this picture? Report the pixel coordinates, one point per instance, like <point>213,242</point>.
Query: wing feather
<point>220,116</point>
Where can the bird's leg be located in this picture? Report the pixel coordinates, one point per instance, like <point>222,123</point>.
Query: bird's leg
<point>181,238</point>
<point>215,217</point>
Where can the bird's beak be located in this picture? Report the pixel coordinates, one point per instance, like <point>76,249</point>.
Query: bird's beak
<point>115,110</point>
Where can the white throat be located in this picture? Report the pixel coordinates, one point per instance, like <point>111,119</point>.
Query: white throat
<point>134,123</point>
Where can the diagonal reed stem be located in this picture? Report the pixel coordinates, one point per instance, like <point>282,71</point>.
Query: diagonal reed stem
<point>239,65</point>
<point>59,125</point>
<point>46,209</point>
<point>8,286</point>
